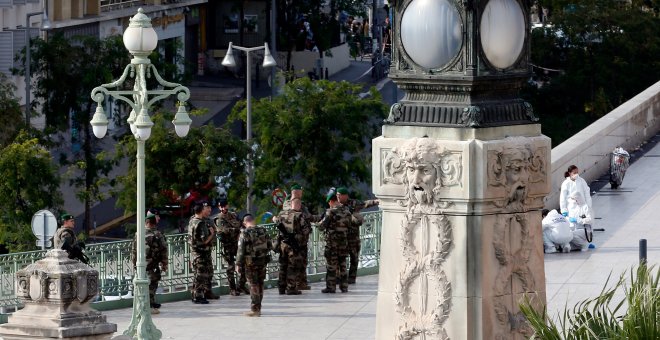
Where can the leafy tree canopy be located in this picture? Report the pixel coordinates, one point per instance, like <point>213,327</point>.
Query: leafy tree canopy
<point>173,165</point>
<point>30,182</point>
<point>11,117</point>
<point>316,133</point>
<point>605,51</point>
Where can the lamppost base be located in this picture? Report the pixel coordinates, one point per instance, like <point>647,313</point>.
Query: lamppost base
<point>142,326</point>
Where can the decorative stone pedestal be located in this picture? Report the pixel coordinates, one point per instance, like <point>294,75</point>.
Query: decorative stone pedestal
<point>461,239</point>
<point>56,292</point>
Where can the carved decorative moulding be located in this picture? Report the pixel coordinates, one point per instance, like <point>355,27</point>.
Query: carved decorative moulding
<point>56,279</point>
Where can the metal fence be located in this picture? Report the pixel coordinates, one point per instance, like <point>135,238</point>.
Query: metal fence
<point>113,262</point>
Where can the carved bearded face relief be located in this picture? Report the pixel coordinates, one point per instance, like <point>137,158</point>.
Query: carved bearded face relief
<point>422,179</point>
<point>517,175</point>
<point>422,161</point>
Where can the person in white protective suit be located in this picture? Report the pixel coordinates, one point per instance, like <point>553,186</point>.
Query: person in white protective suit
<point>556,232</point>
<point>575,204</point>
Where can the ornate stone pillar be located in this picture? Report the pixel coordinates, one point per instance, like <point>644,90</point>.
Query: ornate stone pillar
<point>461,171</point>
<point>56,292</point>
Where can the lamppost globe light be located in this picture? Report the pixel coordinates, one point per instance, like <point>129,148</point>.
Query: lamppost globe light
<point>99,122</point>
<point>143,125</point>
<point>181,121</point>
<point>140,38</point>
<point>269,61</point>
<point>228,60</point>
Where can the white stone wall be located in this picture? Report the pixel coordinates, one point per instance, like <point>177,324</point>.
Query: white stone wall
<point>628,126</point>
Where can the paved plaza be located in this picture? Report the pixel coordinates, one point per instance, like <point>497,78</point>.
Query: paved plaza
<point>627,214</point>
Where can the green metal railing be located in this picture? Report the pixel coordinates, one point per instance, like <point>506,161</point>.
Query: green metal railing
<point>113,262</point>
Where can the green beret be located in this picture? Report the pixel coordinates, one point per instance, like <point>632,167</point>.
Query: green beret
<point>150,216</point>
<point>296,187</point>
<point>66,217</point>
<point>330,198</point>
<point>342,190</point>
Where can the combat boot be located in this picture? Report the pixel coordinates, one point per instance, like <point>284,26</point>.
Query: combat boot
<point>351,280</point>
<point>244,289</point>
<point>327,290</point>
<point>253,313</point>
<point>209,295</point>
<point>234,292</point>
<point>304,286</point>
<point>201,301</point>
<point>282,291</point>
<point>155,305</point>
<point>293,292</point>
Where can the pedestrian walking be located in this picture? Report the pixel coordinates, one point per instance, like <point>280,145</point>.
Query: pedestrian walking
<point>254,246</point>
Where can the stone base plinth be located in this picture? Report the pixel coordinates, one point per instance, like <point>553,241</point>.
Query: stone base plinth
<point>56,292</point>
<point>461,239</point>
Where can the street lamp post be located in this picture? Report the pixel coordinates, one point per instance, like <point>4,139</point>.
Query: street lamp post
<point>45,25</point>
<point>140,39</point>
<point>229,61</point>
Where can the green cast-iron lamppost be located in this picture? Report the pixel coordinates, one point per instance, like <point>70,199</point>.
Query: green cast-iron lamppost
<point>229,61</point>
<point>140,39</point>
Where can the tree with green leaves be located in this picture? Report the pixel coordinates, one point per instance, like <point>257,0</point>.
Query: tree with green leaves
<point>11,119</point>
<point>65,71</point>
<point>174,165</point>
<point>316,133</point>
<point>30,182</point>
<point>592,57</point>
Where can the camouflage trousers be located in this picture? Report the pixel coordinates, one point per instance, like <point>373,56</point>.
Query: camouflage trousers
<point>336,267</point>
<point>291,267</point>
<point>354,258</point>
<point>230,261</point>
<point>302,280</point>
<point>154,278</point>
<point>256,274</point>
<point>203,274</point>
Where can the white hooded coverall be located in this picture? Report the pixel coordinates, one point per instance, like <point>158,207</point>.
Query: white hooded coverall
<point>575,198</point>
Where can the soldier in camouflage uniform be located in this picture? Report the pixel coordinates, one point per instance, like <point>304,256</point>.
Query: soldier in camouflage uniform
<point>335,224</point>
<point>201,236</point>
<point>254,248</point>
<point>65,234</point>
<point>156,257</point>
<point>354,232</point>
<point>229,229</point>
<point>297,193</point>
<point>294,231</point>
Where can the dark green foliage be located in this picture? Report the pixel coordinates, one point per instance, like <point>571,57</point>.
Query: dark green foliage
<point>11,115</point>
<point>175,164</point>
<point>316,134</point>
<point>30,182</point>
<point>607,51</point>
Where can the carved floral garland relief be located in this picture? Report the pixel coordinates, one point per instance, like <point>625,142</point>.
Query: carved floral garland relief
<point>425,168</point>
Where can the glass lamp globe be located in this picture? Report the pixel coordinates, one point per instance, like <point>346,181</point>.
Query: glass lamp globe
<point>502,32</point>
<point>140,37</point>
<point>431,32</point>
<point>143,126</point>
